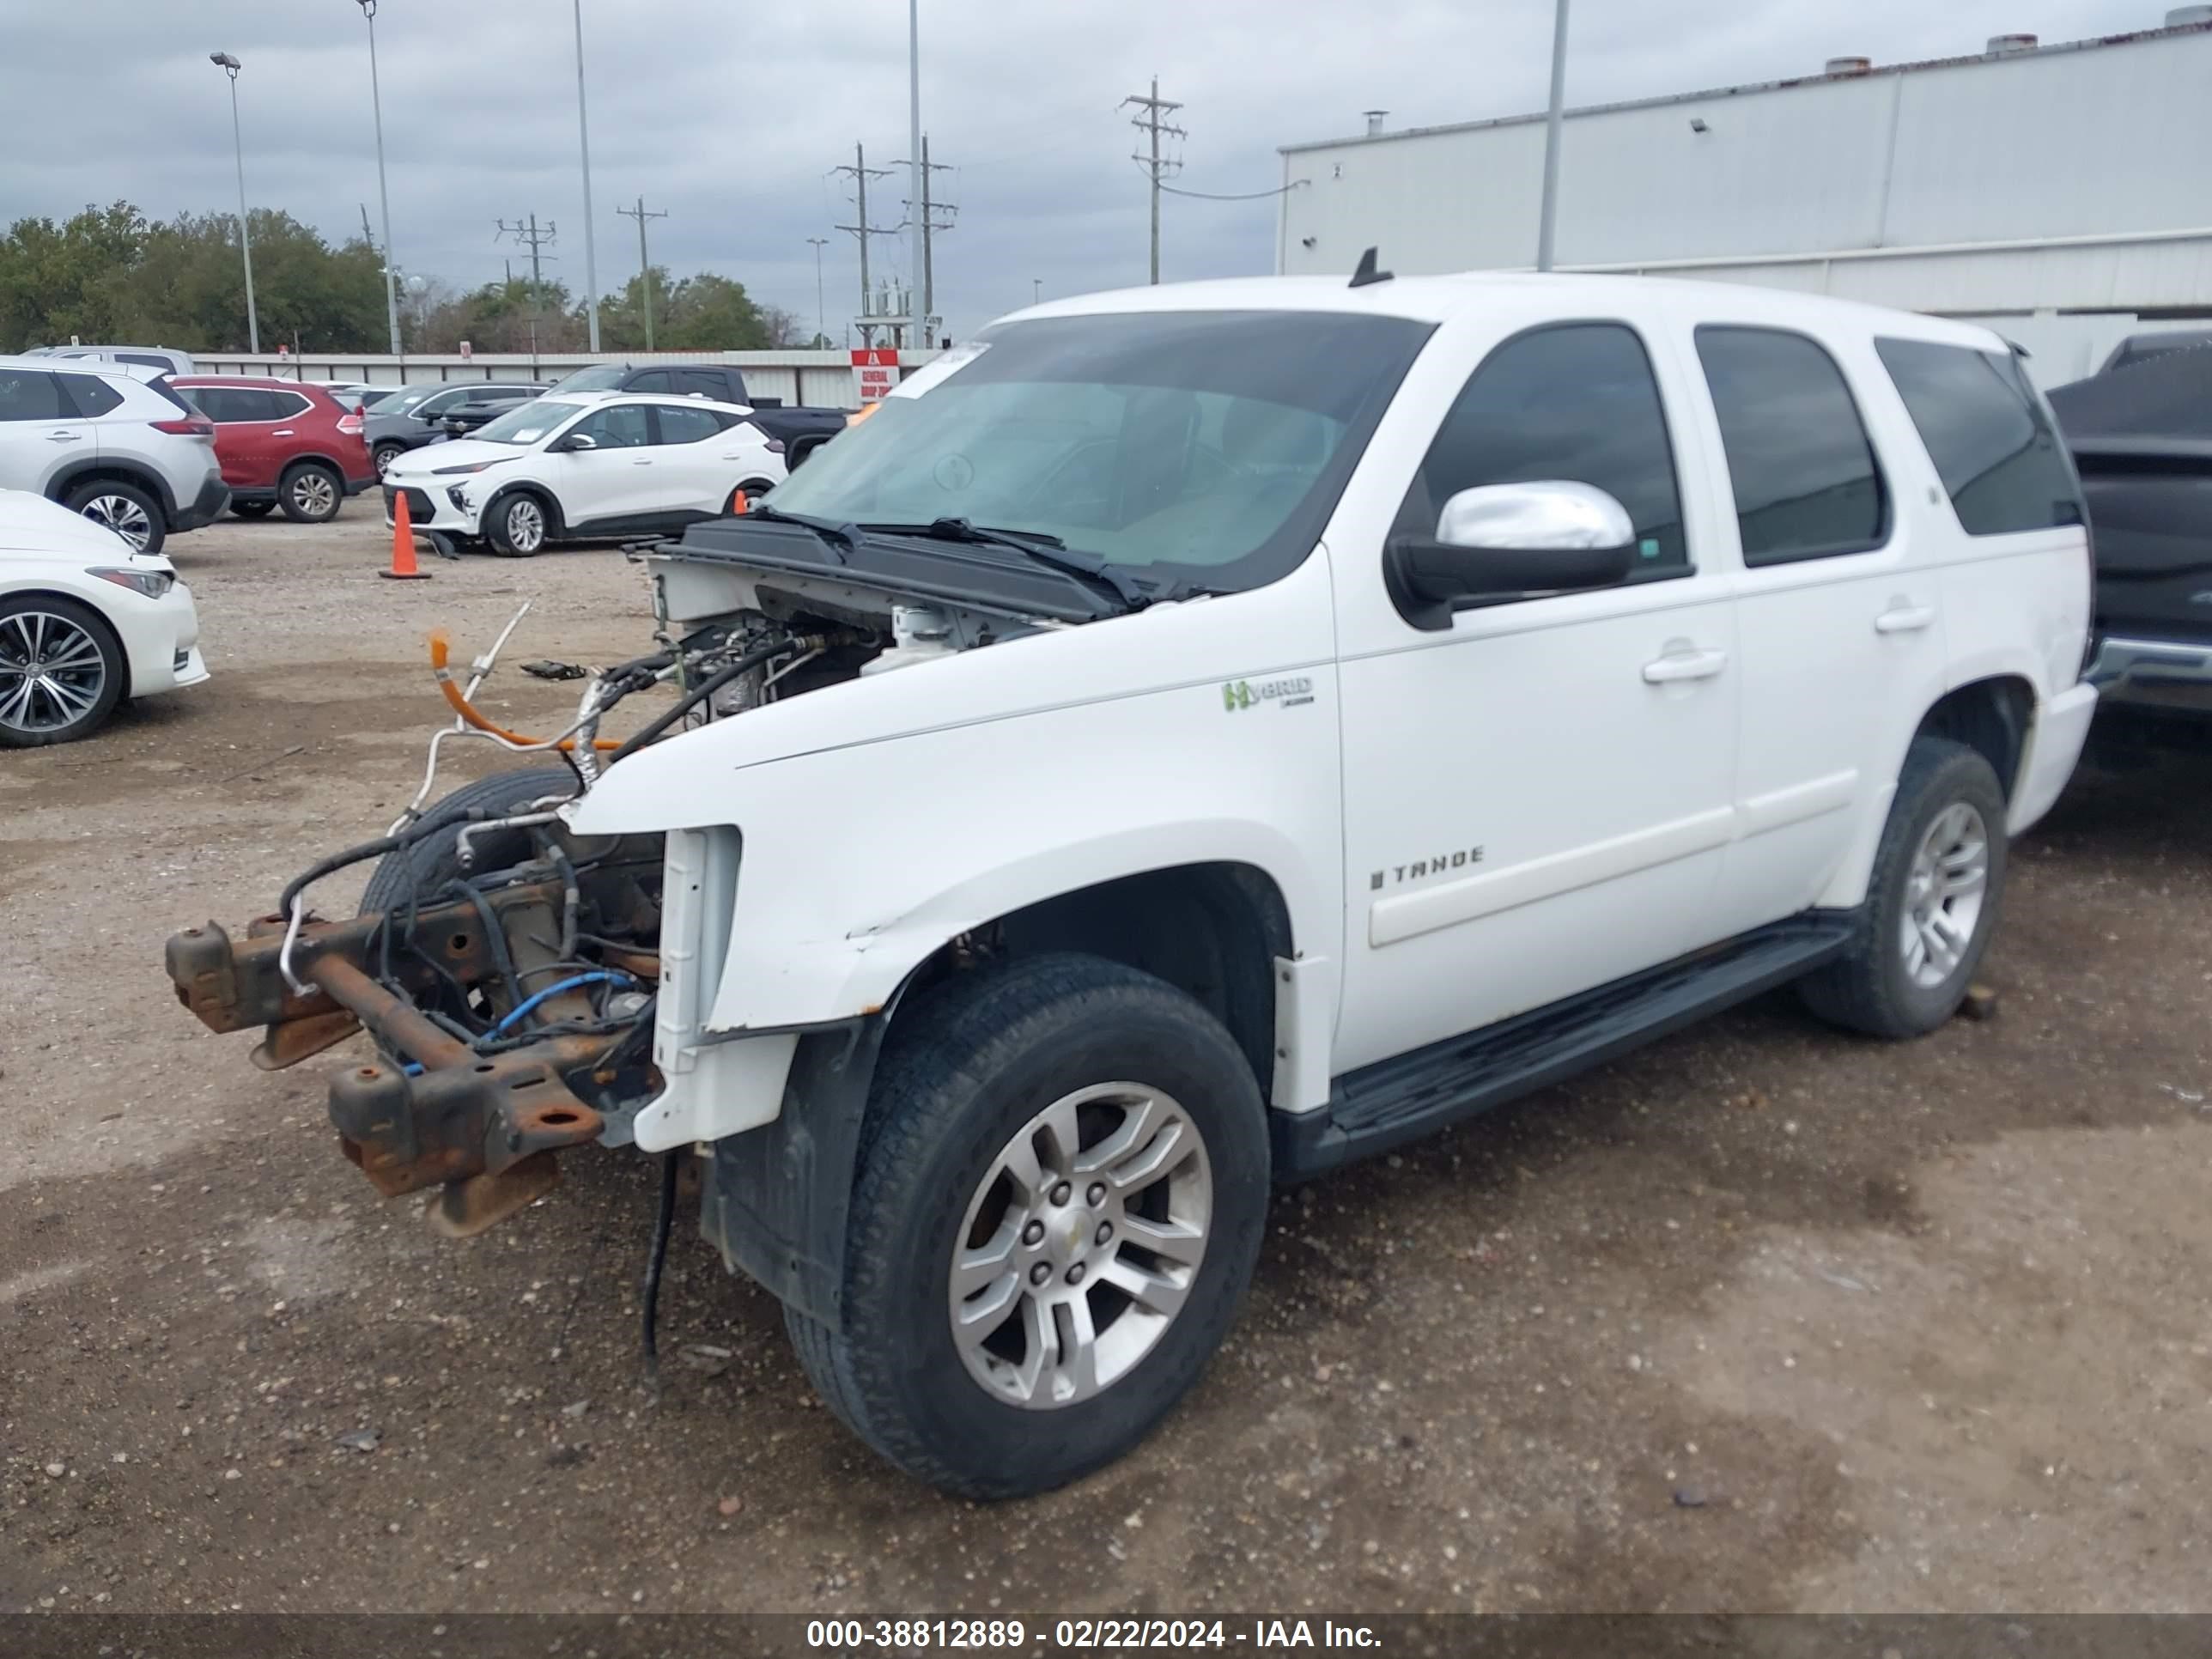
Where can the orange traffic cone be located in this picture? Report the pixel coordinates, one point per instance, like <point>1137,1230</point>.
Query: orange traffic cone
<point>403,544</point>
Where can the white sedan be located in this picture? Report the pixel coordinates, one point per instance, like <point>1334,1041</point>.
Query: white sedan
<point>585,465</point>
<point>85,622</point>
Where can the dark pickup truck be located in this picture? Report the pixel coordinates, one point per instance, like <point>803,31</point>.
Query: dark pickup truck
<point>801,431</point>
<point>2141,432</point>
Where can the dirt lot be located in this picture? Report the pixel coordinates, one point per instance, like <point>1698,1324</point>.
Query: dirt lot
<point>1761,1319</point>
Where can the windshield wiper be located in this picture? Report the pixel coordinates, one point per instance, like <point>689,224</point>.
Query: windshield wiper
<point>1044,549</point>
<point>838,537</point>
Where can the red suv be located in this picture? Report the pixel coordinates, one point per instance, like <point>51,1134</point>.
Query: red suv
<point>281,443</point>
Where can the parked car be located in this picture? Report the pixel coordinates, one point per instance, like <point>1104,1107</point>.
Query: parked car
<point>799,429</point>
<point>416,415</point>
<point>111,441</point>
<point>464,417</point>
<point>282,444</point>
<point>598,464</point>
<point>2142,436</point>
<point>2154,342</point>
<point>1197,737</point>
<point>164,359</point>
<point>86,621</point>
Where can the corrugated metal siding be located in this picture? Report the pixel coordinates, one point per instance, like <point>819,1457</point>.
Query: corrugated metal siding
<point>2109,138</point>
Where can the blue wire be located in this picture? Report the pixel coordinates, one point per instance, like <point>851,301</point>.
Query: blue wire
<point>601,976</point>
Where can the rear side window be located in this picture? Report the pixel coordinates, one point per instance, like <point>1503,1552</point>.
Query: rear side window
<point>681,423</point>
<point>1991,443</point>
<point>233,405</point>
<point>1576,401</point>
<point>1807,486</point>
<point>284,405</point>
<point>704,383</point>
<point>91,396</point>
<point>27,395</point>
<point>652,380</point>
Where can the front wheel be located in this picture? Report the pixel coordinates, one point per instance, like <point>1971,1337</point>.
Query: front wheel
<point>1931,902</point>
<point>518,527</point>
<point>1061,1192</point>
<point>62,672</point>
<point>383,454</point>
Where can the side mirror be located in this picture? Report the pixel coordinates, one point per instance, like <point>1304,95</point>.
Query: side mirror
<point>1503,541</point>
<point>575,441</point>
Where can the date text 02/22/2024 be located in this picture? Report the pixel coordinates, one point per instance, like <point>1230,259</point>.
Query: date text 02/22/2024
<point>1118,1635</point>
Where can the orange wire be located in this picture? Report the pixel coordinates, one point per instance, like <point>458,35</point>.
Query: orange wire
<point>440,649</point>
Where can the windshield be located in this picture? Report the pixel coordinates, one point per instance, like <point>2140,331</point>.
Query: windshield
<point>596,377</point>
<point>1211,444</point>
<point>401,402</point>
<point>525,423</point>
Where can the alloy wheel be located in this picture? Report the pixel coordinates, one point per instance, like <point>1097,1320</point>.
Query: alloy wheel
<point>1080,1245</point>
<point>314,494</point>
<point>52,672</point>
<point>123,516</point>
<point>526,525</point>
<point>1943,895</point>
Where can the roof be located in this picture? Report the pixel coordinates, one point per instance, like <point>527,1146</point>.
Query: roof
<point>141,373</point>
<point>2056,48</point>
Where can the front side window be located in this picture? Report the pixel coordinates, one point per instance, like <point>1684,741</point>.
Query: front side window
<point>1210,445</point>
<point>626,426</point>
<point>1986,432</point>
<point>1807,485</point>
<point>27,395</point>
<point>683,423</point>
<point>653,380</point>
<point>1576,401</point>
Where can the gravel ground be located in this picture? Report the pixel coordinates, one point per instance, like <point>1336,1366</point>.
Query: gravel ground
<point>1761,1319</point>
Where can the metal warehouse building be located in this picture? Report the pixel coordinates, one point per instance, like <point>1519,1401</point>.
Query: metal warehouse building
<point>2061,193</point>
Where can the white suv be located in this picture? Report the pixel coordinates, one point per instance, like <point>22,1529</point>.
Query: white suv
<point>585,465</point>
<point>111,441</point>
<point>1192,738</point>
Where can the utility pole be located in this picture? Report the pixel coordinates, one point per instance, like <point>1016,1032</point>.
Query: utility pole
<point>861,174</point>
<point>929,223</point>
<point>917,173</point>
<point>584,137</point>
<point>644,267</point>
<point>530,236</point>
<point>821,312</point>
<point>1154,107</point>
<point>1548,212</point>
<point>383,191</point>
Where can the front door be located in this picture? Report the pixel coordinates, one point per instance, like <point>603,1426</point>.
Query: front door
<point>1538,799</point>
<point>615,479</point>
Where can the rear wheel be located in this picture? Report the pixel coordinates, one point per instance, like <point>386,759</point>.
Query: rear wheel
<point>310,493</point>
<point>62,672</point>
<point>1931,902</point>
<point>1060,1197</point>
<point>518,527</point>
<point>126,509</point>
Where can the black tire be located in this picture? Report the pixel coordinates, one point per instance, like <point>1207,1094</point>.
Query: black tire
<point>966,1065</point>
<point>1870,987</point>
<point>311,492</point>
<point>383,455</point>
<point>253,509</point>
<point>427,865</point>
<point>17,726</point>
<point>506,525</point>
<point>109,502</point>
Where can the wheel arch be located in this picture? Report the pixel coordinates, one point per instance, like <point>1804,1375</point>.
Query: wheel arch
<point>557,522</point>
<point>92,469</point>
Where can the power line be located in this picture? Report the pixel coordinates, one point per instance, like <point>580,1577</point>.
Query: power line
<point>1248,196</point>
<point>1154,107</point>
<point>644,265</point>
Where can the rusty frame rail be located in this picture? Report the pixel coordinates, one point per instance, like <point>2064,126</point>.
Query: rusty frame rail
<point>483,1127</point>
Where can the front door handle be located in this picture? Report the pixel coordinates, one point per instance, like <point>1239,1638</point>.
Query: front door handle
<point>1905,618</point>
<point>282,432</point>
<point>1678,665</point>
<point>641,463</point>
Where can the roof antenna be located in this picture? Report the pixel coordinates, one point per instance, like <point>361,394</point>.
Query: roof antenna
<point>1367,273</point>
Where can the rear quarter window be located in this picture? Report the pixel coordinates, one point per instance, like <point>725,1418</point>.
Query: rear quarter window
<point>91,396</point>
<point>1993,445</point>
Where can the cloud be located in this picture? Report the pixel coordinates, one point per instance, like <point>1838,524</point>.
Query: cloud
<point>729,116</point>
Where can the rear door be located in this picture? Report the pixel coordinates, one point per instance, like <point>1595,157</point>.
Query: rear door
<point>1838,608</point>
<point>718,384</point>
<point>40,432</point>
<point>702,459</point>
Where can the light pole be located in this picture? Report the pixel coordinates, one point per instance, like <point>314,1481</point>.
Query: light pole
<point>919,329</point>
<point>230,66</point>
<point>584,134</point>
<point>1549,211</point>
<point>821,316</point>
<point>383,192</point>
<point>1036,290</point>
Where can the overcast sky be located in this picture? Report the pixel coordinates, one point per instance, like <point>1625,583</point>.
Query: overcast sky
<point>729,113</point>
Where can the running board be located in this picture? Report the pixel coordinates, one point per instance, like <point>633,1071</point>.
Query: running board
<point>1395,1101</point>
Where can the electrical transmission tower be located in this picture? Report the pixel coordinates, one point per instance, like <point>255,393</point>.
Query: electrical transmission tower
<point>527,232</point>
<point>924,334</point>
<point>644,265</point>
<point>861,172</point>
<point>1155,165</point>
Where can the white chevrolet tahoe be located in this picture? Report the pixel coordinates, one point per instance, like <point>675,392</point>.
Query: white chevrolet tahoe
<point>1191,738</point>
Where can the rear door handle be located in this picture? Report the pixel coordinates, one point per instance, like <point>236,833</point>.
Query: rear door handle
<point>64,437</point>
<point>1905,618</point>
<point>1684,665</point>
<point>641,463</point>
